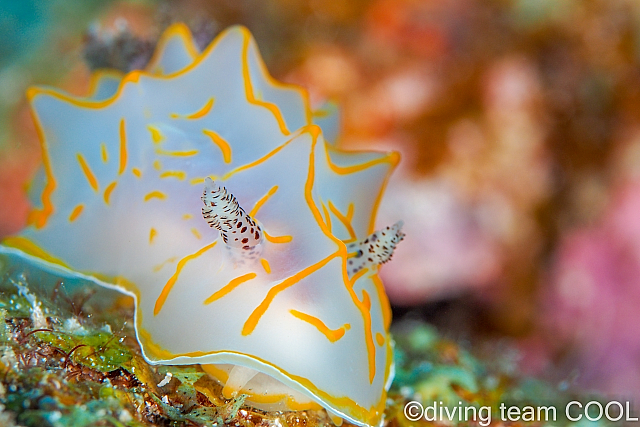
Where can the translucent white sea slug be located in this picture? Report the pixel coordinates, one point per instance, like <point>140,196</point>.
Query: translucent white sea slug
<point>275,292</point>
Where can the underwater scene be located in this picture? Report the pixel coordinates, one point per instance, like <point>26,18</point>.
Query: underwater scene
<point>317,213</point>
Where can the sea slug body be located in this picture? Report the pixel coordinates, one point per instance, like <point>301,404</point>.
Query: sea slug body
<point>130,170</point>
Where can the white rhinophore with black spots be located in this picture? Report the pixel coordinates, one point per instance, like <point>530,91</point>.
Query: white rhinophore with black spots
<point>222,211</point>
<point>375,250</point>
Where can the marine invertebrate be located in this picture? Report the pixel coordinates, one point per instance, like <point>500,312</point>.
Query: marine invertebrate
<point>120,202</point>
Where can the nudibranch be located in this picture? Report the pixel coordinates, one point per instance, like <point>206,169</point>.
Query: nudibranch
<point>217,198</point>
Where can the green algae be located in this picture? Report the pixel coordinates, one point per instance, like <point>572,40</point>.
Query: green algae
<point>98,350</point>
